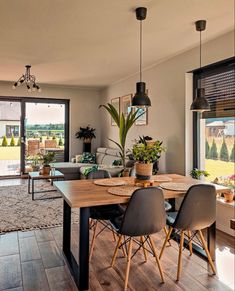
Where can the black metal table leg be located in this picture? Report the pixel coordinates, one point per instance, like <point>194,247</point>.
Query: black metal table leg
<point>80,270</point>
<point>84,249</point>
<point>29,185</point>
<point>66,229</point>
<point>32,189</point>
<point>211,240</point>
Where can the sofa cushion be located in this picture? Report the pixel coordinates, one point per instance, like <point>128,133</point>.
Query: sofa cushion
<point>101,150</point>
<point>99,157</point>
<point>113,152</point>
<point>88,158</point>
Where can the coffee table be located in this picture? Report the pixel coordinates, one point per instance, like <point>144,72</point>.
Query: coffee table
<point>33,176</point>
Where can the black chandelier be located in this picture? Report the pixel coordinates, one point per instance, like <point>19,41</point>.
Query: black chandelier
<point>141,99</point>
<point>29,80</point>
<point>200,103</point>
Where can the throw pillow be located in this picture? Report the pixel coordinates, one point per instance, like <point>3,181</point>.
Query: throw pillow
<point>88,158</point>
<point>89,170</point>
<point>78,158</point>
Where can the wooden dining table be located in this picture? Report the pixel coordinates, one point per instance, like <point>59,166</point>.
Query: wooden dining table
<point>84,194</point>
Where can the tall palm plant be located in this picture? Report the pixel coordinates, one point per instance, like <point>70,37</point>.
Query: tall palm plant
<point>124,124</point>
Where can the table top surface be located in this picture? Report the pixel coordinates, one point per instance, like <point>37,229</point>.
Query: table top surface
<point>84,193</point>
<point>37,175</point>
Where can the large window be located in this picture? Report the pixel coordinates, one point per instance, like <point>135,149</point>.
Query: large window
<point>214,131</point>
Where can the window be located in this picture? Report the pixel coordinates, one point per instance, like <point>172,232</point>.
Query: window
<point>214,131</point>
<point>12,130</point>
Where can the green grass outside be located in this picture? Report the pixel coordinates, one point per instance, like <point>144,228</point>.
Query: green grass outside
<point>217,168</point>
<point>10,153</point>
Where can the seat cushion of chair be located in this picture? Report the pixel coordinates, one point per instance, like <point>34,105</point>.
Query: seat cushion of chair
<point>106,212</point>
<point>171,216</point>
<point>167,206</point>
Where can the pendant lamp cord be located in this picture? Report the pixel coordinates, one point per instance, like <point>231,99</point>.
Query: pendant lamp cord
<point>140,50</point>
<point>200,56</point>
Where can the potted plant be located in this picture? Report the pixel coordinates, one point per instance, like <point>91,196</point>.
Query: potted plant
<point>46,160</point>
<point>35,162</point>
<point>198,174</point>
<point>124,124</point>
<point>145,155</point>
<point>86,134</point>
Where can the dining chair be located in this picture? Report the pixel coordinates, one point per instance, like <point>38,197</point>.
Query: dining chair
<point>102,214</point>
<point>144,216</point>
<point>197,212</point>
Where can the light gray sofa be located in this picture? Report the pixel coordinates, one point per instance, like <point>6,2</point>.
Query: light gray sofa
<point>104,159</point>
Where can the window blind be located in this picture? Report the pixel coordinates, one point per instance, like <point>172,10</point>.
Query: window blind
<point>219,87</point>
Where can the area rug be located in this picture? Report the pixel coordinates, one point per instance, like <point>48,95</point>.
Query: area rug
<point>19,212</point>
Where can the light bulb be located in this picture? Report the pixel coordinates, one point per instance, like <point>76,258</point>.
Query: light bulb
<point>13,87</point>
<point>34,89</point>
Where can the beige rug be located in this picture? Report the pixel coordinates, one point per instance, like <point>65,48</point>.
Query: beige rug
<point>19,212</point>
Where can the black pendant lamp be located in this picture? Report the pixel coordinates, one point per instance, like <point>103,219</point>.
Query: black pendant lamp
<point>141,99</point>
<point>200,103</point>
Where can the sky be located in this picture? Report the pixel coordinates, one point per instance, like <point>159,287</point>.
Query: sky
<point>40,113</point>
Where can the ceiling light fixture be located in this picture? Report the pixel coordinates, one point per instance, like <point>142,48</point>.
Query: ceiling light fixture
<point>141,99</point>
<point>29,80</point>
<point>200,103</point>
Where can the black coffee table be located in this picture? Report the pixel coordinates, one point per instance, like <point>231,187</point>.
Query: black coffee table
<point>53,176</point>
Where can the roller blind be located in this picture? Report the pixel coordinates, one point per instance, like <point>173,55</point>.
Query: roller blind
<point>219,84</point>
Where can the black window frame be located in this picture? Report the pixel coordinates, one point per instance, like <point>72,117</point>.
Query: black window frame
<point>217,67</point>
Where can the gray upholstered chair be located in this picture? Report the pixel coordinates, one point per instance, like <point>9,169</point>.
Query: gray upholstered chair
<point>197,211</point>
<point>144,216</point>
<point>102,214</point>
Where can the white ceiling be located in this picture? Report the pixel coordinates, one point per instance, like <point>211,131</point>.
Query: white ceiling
<point>95,43</point>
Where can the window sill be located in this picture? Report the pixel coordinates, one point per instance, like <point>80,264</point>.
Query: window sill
<point>227,204</point>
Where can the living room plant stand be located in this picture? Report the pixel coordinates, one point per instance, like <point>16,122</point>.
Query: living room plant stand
<point>33,176</point>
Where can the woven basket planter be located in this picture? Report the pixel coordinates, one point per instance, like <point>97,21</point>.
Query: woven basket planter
<point>45,170</point>
<point>143,171</point>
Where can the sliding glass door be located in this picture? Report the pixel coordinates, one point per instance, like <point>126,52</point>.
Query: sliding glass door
<point>10,138</point>
<point>30,127</point>
<point>44,132</point>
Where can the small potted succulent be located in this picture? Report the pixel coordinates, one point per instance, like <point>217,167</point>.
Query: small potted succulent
<point>86,134</point>
<point>198,174</point>
<point>46,160</point>
<point>146,154</point>
<point>35,162</point>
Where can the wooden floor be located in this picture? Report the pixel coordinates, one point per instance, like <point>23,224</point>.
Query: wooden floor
<point>33,261</point>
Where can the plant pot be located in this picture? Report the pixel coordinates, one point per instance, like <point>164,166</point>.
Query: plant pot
<point>228,197</point>
<point>143,171</point>
<point>87,147</point>
<point>150,143</point>
<point>126,172</point>
<point>45,170</point>
<point>35,168</point>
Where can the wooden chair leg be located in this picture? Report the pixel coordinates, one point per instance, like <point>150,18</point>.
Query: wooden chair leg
<point>180,255</point>
<point>144,250</point>
<point>156,257</point>
<point>93,241</point>
<point>116,250</point>
<point>166,240</point>
<point>128,264</point>
<point>207,252</point>
<point>190,243</point>
<point>114,236</point>
<point>123,249</point>
<point>166,232</point>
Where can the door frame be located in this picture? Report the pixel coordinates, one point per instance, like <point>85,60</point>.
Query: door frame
<point>23,101</point>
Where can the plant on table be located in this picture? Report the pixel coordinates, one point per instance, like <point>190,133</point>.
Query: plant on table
<point>197,174</point>
<point>46,160</point>
<point>145,154</point>
<point>124,124</point>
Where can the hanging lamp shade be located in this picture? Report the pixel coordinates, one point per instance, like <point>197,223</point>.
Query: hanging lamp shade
<point>200,103</point>
<point>141,98</point>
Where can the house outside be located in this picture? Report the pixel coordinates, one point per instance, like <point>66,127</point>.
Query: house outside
<point>9,119</point>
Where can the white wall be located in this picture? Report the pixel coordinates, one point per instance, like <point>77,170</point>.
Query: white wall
<point>83,108</point>
<point>166,84</point>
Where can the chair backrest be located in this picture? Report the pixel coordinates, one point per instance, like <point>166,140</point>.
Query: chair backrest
<point>145,213</point>
<point>198,209</point>
<point>100,174</point>
<point>33,147</point>
<point>50,143</point>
